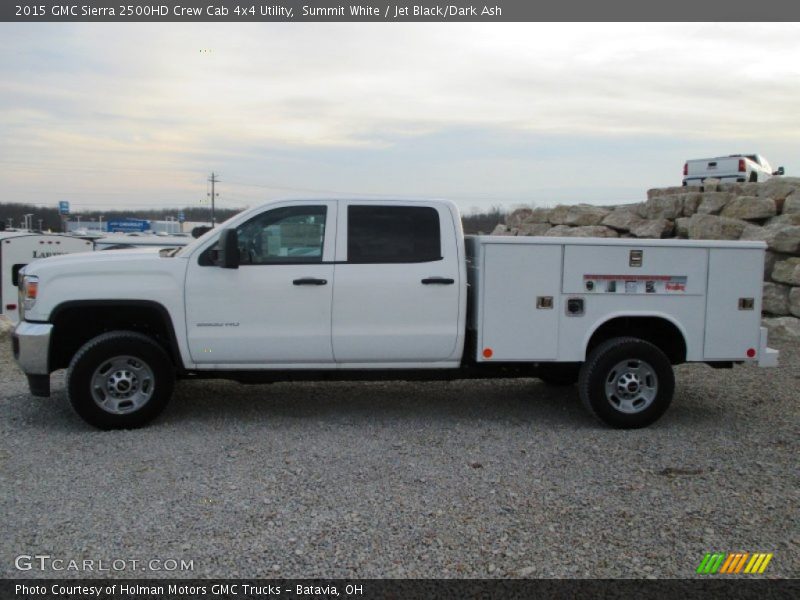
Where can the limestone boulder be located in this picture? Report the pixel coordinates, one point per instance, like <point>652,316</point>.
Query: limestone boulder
<point>784,219</point>
<point>539,215</point>
<point>782,328</point>
<point>776,299</point>
<point>533,228</point>
<point>662,207</point>
<point>779,188</point>
<point>691,202</point>
<point>712,227</point>
<point>779,238</point>
<point>655,228</point>
<point>500,229</point>
<point>791,205</point>
<point>514,218</point>
<point>787,271</point>
<point>711,184</point>
<point>712,203</point>
<point>584,214</point>
<point>682,227</point>
<point>622,219</point>
<point>598,231</point>
<point>794,301</point>
<point>558,215</point>
<point>749,208</point>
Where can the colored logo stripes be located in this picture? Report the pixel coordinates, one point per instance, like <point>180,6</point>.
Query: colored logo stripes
<point>734,563</point>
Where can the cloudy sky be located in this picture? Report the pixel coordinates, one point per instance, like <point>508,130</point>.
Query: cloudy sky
<point>134,115</point>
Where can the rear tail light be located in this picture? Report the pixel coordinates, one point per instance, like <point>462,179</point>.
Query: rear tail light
<point>742,167</point>
<point>685,169</point>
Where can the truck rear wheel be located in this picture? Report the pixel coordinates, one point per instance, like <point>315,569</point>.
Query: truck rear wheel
<point>627,383</point>
<point>120,380</point>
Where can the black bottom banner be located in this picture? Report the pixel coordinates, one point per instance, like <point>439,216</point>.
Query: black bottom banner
<point>368,589</point>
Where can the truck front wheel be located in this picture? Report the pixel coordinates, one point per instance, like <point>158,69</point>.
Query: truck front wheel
<point>120,380</point>
<point>627,382</point>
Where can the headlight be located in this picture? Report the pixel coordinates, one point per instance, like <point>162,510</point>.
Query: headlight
<point>28,291</point>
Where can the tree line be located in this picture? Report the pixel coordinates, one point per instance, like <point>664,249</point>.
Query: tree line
<point>14,214</point>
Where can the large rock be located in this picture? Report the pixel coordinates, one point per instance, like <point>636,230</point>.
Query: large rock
<point>598,231</point>
<point>656,228</point>
<point>558,215</point>
<point>779,188</point>
<point>622,219</point>
<point>770,258</point>
<point>669,191</point>
<point>741,189</point>
<point>533,228</point>
<point>585,214</point>
<point>713,203</point>
<point>711,227</point>
<point>690,203</point>
<point>711,184</point>
<point>780,238</point>
<point>500,229</point>
<point>663,207</point>
<point>749,207</point>
<point>787,271</point>
<point>539,215</point>
<point>782,328</point>
<point>682,227</point>
<point>794,301</point>
<point>776,299</point>
<point>785,219</point>
<point>791,205</point>
<point>516,217</point>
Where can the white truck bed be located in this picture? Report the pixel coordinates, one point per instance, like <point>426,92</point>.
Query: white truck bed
<point>521,289</point>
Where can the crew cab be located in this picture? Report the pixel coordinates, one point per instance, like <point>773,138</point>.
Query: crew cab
<point>736,168</point>
<point>356,289</point>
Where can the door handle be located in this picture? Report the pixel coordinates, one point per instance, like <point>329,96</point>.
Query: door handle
<point>438,280</point>
<point>310,281</point>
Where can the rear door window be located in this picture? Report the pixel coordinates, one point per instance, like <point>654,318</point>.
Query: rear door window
<point>393,234</point>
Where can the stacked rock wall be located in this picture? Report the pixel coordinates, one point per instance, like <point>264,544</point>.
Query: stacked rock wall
<point>767,211</point>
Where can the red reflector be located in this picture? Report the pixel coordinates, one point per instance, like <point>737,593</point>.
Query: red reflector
<point>751,352</point>
<point>487,353</point>
<point>11,307</point>
<point>742,167</point>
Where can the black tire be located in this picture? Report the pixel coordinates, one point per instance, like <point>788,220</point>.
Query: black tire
<point>753,177</point>
<point>627,383</point>
<point>132,362</point>
<point>559,374</point>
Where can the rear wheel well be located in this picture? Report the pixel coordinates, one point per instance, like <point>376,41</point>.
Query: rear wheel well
<point>656,330</point>
<point>74,324</point>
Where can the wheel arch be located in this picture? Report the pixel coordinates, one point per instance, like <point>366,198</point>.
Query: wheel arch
<point>659,329</point>
<point>75,322</point>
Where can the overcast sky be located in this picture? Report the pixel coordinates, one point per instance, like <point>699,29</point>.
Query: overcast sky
<point>132,115</point>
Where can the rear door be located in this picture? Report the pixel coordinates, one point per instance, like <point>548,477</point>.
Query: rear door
<point>397,284</point>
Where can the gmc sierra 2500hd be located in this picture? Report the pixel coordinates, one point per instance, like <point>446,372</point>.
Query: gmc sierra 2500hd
<point>354,289</point>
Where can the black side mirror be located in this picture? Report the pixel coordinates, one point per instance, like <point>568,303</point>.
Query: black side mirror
<point>780,171</point>
<point>228,254</point>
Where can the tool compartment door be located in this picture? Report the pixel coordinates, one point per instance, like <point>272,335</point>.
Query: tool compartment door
<point>733,274</point>
<point>514,276</point>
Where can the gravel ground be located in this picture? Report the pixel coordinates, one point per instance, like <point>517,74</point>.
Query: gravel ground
<point>464,479</point>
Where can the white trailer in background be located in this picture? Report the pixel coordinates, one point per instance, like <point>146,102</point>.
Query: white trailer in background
<point>19,248</point>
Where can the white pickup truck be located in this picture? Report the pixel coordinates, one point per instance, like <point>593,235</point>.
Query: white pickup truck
<point>736,168</point>
<point>354,289</point>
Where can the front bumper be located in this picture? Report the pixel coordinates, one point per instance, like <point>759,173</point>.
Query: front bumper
<point>31,344</point>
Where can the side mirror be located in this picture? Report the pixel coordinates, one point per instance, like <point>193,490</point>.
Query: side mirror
<point>780,171</point>
<point>228,254</point>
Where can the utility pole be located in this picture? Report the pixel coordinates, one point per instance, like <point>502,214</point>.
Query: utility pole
<point>213,179</point>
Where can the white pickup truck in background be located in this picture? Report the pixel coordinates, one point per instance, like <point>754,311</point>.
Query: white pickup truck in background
<point>736,168</point>
<point>388,289</point>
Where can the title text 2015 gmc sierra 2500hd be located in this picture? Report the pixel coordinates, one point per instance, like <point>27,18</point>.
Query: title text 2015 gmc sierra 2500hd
<point>354,289</point>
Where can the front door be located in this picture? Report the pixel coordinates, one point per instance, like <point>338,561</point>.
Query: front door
<point>276,307</point>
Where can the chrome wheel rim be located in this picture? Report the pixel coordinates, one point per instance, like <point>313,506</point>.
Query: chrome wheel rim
<point>631,386</point>
<point>122,384</point>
